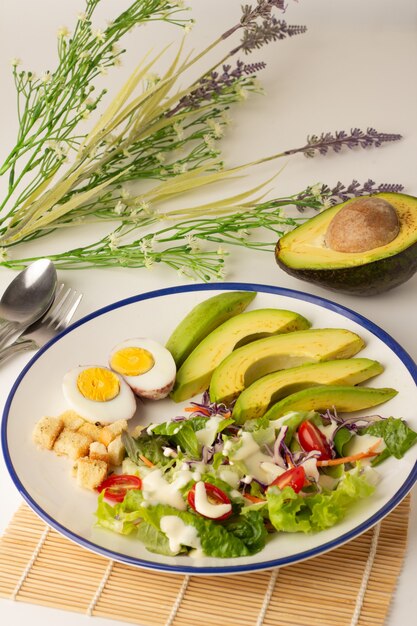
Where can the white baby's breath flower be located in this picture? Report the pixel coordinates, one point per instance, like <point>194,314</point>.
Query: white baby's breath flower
<point>103,69</point>
<point>178,129</point>
<point>114,241</point>
<point>63,32</point>
<point>160,157</point>
<point>46,77</point>
<point>115,49</point>
<point>117,62</point>
<point>221,251</point>
<point>326,203</point>
<point>221,272</point>
<point>119,208</point>
<point>209,141</point>
<point>179,168</point>
<point>148,262</point>
<point>188,26</point>
<point>84,55</point>
<point>179,3</point>
<point>216,128</point>
<point>3,254</point>
<point>193,243</point>
<point>241,93</point>
<point>82,17</point>
<point>146,245</point>
<point>15,62</point>
<point>315,190</point>
<point>99,35</point>
<point>125,194</point>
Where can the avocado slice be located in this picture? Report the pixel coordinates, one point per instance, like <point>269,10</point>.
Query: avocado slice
<point>203,319</point>
<point>251,362</point>
<point>303,253</point>
<point>341,399</point>
<point>194,375</point>
<point>254,401</point>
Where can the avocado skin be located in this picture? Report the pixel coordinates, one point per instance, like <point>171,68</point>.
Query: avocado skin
<point>364,280</point>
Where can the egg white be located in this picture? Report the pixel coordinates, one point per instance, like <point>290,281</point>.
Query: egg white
<point>123,406</point>
<point>157,382</point>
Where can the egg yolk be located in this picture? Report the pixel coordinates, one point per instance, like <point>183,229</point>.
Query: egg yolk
<point>132,361</point>
<point>98,384</point>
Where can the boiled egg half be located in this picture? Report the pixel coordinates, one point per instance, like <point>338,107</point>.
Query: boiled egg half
<point>147,367</point>
<point>99,395</point>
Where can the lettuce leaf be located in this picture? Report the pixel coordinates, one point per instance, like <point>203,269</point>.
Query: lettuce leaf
<point>149,446</point>
<point>291,512</point>
<point>398,437</point>
<point>240,536</point>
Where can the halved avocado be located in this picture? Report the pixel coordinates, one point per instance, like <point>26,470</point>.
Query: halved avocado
<point>303,252</point>
<point>262,357</point>
<point>194,375</point>
<point>254,401</point>
<point>342,399</point>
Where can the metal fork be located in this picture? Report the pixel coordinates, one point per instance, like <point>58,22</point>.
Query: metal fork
<point>56,319</point>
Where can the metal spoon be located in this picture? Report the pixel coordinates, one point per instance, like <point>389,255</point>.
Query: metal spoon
<point>26,299</point>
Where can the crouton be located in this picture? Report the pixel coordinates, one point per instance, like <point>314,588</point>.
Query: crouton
<point>116,451</point>
<point>72,420</point>
<point>72,444</point>
<point>137,430</point>
<point>91,472</point>
<point>110,432</point>
<point>98,452</point>
<point>46,432</point>
<point>91,430</point>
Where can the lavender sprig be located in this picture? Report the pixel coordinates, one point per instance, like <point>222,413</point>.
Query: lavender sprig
<point>270,30</point>
<point>211,86</point>
<point>357,138</point>
<point>327,196</point>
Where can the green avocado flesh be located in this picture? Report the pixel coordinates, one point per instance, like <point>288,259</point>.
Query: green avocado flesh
<point>341,399</point>
<point>195,373</point>
<point>203,319</point>
<point>254,401</point>
<point>304,254</point>
<point>262,357</point>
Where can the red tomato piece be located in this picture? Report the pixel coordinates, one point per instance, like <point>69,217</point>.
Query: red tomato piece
<point>311,438</point>
<point>115,487</point>
<point>294,478</point>
<point>214,495</point>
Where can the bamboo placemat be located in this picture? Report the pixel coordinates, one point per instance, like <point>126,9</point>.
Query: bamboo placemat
<point>349,586</point>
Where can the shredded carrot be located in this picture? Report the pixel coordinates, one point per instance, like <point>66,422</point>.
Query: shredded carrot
<point>289,462</point>
<point>254,499</point>
<point>146,461</point>
<point>194,409</point>
<point>353,457</point>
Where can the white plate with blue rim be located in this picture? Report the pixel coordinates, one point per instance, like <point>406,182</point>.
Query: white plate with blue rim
<point>45,481</point>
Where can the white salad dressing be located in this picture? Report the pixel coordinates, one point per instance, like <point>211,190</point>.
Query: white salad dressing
<point>179,533</point>
<point>229,476</point>
<point>206,508</point>
<point>311,469</point>
<point>362,443</point>
<point>156,490</point>
<point>258,465</point>
<point>328,431</point>
<point>207,435</point>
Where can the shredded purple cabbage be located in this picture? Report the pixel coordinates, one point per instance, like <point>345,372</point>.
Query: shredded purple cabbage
<point>280,448</point>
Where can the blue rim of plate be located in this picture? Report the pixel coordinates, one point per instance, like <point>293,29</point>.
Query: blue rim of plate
<point>234,569</point>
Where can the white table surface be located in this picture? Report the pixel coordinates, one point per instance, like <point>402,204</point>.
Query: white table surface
<point>354,67</point>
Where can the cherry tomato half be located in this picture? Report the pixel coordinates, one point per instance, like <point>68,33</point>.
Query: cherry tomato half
<point>214,496</point>
<point>115,487</point>
<point>294,478</point>
<point>311,438</point>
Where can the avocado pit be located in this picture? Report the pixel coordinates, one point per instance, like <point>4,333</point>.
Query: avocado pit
<point>363,224</point>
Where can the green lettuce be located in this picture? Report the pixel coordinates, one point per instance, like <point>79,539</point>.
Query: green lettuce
<point>291,512</point>
<point>239,536</point>
<point>149,446</point>
<point>398,437</point>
